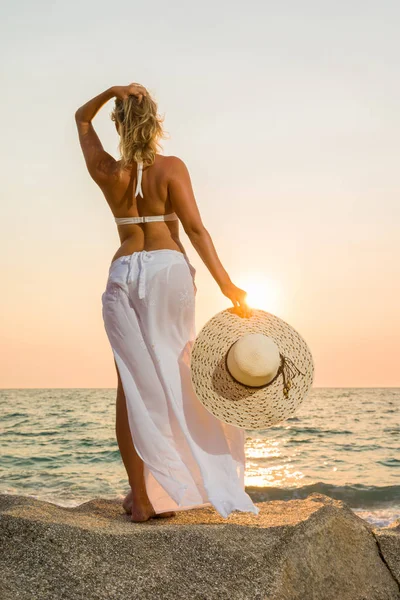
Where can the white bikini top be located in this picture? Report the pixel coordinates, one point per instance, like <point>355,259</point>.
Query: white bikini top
<point>128,220</point>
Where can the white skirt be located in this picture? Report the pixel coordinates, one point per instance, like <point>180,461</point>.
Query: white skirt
<point>191,458</point>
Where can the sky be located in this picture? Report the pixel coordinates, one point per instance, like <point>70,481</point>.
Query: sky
<point>286,115</point>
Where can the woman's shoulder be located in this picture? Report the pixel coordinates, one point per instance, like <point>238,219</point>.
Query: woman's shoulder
<point>170,160</point>
<point>174,165</point>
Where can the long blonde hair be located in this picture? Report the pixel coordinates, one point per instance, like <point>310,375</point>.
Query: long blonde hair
<point>140,129</point>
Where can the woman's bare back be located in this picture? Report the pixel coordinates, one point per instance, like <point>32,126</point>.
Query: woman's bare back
<point>119,192</point>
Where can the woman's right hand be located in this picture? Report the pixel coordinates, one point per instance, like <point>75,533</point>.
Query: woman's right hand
<point>134,89</point>
<point>238,298</point>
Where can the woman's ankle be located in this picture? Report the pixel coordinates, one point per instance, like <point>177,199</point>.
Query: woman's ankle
<point>139,493</point>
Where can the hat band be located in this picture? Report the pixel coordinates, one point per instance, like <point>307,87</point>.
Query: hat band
<point>287,368</point>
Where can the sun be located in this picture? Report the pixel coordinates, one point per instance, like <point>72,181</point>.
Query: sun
<point>262,292</point>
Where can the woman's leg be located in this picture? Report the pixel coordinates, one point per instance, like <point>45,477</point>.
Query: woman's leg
<point>137,502</point>
<point>132,462</point>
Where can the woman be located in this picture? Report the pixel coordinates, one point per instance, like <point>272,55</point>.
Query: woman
<point>177,454</point>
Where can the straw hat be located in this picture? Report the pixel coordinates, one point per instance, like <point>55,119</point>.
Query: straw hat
<point>252,372</point>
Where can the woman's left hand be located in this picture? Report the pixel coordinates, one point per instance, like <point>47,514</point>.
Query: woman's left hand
<point>238,299</point>
<point>133,89</point>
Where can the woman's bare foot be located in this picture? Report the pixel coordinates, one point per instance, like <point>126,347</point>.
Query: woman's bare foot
<point>127,503</point>
<point>144,512</point>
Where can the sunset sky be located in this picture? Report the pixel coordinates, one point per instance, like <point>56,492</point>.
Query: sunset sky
<point>287,116</point>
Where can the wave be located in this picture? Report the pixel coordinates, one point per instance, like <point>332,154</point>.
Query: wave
<point>356,496</point>
<point>298,430</point>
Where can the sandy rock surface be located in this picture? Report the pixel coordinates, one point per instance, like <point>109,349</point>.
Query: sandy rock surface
<point>311,549</point>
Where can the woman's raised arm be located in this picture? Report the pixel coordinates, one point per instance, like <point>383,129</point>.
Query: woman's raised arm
<point>99,163</point>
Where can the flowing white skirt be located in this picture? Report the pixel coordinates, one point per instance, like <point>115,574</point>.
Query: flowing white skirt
<point>190,457</point>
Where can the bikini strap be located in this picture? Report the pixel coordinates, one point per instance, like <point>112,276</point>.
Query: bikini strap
<point>139,179</point>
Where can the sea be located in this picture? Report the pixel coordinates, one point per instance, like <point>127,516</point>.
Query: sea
<point>59,445</point>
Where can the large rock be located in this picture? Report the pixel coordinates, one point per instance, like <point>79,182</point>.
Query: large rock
<point>312,549</point>
<point>388,540</point>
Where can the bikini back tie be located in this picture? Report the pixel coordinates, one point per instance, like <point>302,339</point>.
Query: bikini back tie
<point>139,179</point>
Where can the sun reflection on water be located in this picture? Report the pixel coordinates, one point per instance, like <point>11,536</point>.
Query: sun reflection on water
<point>262,469</point>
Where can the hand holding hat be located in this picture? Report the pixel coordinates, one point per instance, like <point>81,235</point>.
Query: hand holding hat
<point>238,298</point>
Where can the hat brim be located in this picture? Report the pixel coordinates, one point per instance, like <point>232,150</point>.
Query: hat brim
<point>233,402</point>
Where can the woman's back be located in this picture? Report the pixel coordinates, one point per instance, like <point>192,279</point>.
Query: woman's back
<point>131,193</point>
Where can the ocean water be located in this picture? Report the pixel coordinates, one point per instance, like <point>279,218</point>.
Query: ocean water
<point>59,445</point>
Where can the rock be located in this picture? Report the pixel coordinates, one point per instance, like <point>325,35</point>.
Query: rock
<point>311,549</point>
<point>388,540</point>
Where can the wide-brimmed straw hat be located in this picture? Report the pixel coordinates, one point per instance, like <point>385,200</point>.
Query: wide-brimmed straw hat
<point>251,372</point>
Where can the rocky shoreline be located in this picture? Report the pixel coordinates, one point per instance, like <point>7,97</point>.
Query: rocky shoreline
<point>311,549</point>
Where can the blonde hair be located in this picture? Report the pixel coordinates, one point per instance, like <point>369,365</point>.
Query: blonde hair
<point>140,128</point>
